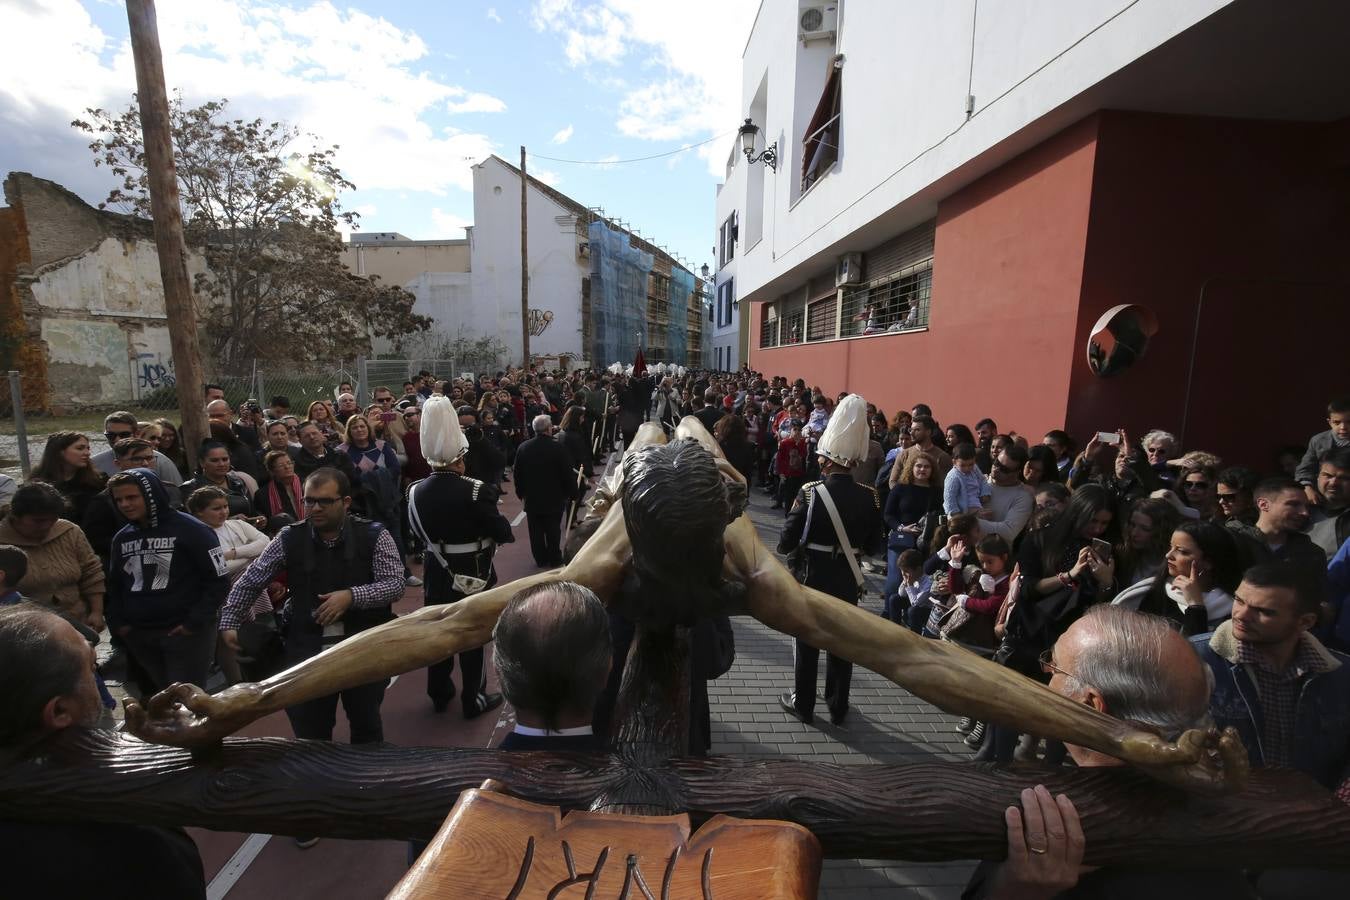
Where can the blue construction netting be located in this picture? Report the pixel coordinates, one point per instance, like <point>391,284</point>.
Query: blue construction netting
<point>677,335</point>
<point>619,273</point>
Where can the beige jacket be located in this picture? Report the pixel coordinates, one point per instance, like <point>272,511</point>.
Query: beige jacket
<point>63,570</point>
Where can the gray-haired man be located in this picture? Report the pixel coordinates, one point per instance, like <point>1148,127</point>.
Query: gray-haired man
<point>545,482</point>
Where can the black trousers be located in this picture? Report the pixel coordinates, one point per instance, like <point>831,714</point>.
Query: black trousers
<point>314,719</point>
<point>545,536</point>
<point>838,671</point>
<point>471,673</point>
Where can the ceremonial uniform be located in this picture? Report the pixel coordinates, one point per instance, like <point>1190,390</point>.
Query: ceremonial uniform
<point>457,516</point>
<point>819,561</point>
<point>809,535</point>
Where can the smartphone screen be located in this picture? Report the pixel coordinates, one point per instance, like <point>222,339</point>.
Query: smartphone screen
<point>1108,437</point>
<point>1101,548</point>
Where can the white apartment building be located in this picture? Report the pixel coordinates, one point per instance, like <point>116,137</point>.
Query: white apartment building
<point>972,203</point>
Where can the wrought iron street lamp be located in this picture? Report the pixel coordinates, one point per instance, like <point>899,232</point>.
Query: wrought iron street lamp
<point>770,155</point>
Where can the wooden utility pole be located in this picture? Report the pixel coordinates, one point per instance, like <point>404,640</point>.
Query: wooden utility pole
<point>168,221</point>
<point>524,267</point>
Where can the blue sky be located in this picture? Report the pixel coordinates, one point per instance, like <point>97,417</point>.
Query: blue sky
<point>414,92</point>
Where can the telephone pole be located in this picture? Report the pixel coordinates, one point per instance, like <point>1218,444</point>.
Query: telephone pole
<point>524,266</point>
<point>168,221</point>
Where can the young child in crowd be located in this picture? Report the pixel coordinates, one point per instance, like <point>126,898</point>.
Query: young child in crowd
<point>791,462</point>
<point>986,596</point>
<point>965,489</point>
<point>913,598</point>
<point>13,566</point>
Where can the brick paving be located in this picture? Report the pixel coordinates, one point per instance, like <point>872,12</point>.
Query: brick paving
<point>886,725</point>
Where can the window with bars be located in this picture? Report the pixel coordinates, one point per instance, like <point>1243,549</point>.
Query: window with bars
<point>790,331</point>
<point>820,318</point>
<point>768,332</point>
<point>898,303</point>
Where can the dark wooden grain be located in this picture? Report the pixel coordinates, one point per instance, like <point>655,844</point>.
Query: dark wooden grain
<point>924,811</point>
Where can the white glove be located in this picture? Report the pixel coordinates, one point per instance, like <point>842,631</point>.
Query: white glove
<point>987,583</point>
<point>961,600</point>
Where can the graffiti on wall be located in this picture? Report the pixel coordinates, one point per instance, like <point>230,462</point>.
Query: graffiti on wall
<point>540,319</point>
<point>153,372</point>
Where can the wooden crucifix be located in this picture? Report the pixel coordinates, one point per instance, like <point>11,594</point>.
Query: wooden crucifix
<point>671,544</point>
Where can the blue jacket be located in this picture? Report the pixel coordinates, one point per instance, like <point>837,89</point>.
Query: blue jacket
<point>167,570</point>
<point>1338,589</point>
<point>1322,719</point>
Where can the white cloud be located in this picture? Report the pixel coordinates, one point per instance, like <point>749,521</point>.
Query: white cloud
<point>475,102</point>
<point>562,136</point>
<point>350,78</point>
<point>448,224</point>
<point>608,162</point>
<point>492,14</point>
<point>694,91</point>
<point>592,32</point>
<point>547,176</point>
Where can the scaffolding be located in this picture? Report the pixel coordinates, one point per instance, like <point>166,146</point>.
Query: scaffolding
<point>619,281</point>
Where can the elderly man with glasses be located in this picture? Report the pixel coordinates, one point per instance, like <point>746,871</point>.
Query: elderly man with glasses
<point>1135,667</point>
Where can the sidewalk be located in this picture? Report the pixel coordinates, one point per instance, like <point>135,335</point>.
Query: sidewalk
<point>886,725</point>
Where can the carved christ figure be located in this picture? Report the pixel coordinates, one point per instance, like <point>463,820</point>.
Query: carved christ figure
<point>938,672</point>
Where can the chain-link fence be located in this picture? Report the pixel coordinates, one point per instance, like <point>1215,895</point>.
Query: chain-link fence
<point>301,384</point>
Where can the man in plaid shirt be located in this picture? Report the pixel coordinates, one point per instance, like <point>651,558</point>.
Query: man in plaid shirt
<point>343,573</point>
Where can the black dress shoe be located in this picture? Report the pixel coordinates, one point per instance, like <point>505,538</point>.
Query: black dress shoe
<point>486,703</point>
<point>786,702</point>
<point>838,718</point>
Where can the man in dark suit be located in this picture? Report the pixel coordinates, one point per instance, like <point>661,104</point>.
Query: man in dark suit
<point>821,560</point>
<point>552,655</point>
<point>545,482</point>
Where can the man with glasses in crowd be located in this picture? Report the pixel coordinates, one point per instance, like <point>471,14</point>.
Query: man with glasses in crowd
<point>1011,502</point>
<point>119,426</point>
<point>344,573</point>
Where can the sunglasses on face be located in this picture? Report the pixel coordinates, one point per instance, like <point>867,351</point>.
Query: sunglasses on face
<point>1197,485</point>
<point>1006,470</point>
<point>322,502</point>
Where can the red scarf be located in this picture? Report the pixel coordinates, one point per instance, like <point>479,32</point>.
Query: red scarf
<point>274,498</point>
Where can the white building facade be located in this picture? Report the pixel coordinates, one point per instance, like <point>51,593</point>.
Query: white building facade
<point>970,187</point>
<point>727,352</point>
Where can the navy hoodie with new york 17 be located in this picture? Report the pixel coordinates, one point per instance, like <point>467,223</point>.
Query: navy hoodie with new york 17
<point>166,571</point>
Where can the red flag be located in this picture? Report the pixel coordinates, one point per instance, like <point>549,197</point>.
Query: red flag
<point>639,364</point>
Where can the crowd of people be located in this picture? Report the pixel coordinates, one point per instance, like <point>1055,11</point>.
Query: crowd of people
<point>1118,573</point>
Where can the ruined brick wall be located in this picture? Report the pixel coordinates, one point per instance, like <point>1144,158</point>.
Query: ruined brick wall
<point>91,298</point>
<point>20,346</point>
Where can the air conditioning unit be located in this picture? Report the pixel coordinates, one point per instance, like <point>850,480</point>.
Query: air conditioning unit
<point>584,249</point>
<point>848,270</point>
<point>817,21</point>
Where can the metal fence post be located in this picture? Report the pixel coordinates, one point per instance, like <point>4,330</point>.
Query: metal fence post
<point>362,382</point>
<point>258,386</point>
<point>20,426</point>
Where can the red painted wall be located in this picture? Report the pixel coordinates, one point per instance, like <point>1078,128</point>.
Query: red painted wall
<point>1185,205</point>
<point>1007,271</point>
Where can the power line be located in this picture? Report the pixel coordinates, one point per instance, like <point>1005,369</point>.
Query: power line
<point>615,162</point>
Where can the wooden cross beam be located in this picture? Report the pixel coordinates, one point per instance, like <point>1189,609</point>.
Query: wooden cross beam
<point>921,811</point>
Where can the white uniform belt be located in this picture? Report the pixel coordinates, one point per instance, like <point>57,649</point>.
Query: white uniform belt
<point>826,548</point>
<point>476,546</point>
